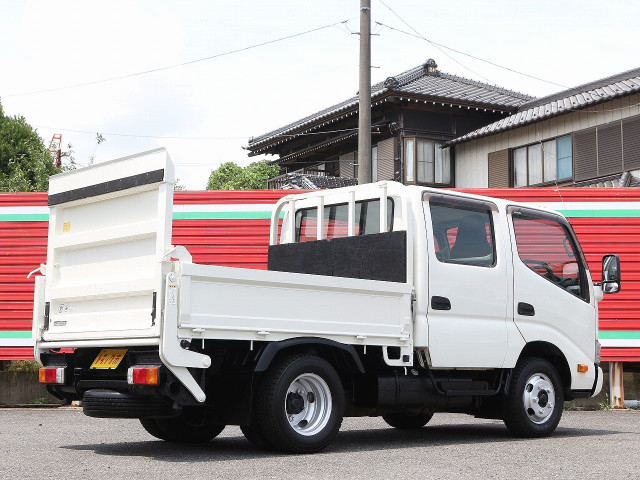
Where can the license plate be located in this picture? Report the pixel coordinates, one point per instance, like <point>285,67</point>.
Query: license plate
<point>109,358</point>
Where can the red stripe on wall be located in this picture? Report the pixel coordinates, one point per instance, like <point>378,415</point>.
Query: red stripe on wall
<point>620,354</point>
<point>16,353</point>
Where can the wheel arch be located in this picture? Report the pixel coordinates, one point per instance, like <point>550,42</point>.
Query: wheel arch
<point>339,355</point>
<point>552,354</point>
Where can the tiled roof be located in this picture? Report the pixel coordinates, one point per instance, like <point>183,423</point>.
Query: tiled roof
<point>438,86</point>
<point>628,178</point>
<point>314,182</point>
<point>575,98</point>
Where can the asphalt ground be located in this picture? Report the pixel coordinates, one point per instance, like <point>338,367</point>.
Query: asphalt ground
<point>62,443</point>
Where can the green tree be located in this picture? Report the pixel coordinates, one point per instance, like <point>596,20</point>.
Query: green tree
<point>25,161</point>
<point>230,176</point>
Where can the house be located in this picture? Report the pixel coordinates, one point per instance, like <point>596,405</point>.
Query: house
<point>413,115</point>
<point>584,136</point>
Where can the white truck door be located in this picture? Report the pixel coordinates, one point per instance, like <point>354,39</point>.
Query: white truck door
<point>468,282</point>
<point>552,287</point>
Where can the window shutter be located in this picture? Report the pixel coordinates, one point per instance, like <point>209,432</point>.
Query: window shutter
<point>585,164</point>
<point>631,142</point>
<point>609,149</point>
<point>346,165</point>
<point>386,156</point>
<point>499,172</point>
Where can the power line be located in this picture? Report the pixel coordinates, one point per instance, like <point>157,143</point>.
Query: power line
<point>473,56</point>
<point>145,72</point>
<point>93,132</point>
<point>434,44</point>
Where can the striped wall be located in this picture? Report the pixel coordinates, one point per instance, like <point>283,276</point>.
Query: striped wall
<point>232,229</point>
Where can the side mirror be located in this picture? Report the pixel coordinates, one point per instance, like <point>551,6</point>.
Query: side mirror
<point>610,274</point>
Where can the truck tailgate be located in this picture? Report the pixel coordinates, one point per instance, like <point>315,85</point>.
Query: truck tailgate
<point>109,228</point>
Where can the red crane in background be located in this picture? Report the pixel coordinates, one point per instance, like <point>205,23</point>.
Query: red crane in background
<point>55,147</point>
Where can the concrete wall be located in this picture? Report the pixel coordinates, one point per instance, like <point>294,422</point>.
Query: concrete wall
<point>471,158</point>
<point>23,388</point>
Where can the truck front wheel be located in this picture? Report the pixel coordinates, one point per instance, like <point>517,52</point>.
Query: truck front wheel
<point>300,404</point>
<point>533,405</point>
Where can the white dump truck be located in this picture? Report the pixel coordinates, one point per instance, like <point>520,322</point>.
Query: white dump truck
<point>380,300</point>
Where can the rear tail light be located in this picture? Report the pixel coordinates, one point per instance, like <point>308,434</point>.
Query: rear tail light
<point>53,375</point>
<point>143,375</point>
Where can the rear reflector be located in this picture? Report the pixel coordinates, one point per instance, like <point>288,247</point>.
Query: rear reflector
<point>53,375</point>
<point>143,375</point>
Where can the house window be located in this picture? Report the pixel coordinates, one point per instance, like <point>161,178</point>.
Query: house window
<point>374,164</point>
<point>543,162</point>
<point>426,162</point>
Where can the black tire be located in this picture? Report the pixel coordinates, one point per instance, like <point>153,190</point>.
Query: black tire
<point>181,429</point>
<point>152,427</point>
<point>253,433</point>
<point>407,421</point>
<point>304,389</point>
<point>533,405</point>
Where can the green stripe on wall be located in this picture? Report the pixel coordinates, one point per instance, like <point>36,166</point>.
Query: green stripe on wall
<point>221,215</point>
<point>43,217</point>
<point>600,213</point>
<point>16,334</point>
<point>619,335</point>
<point>24,217</point>
<point>603,334</point>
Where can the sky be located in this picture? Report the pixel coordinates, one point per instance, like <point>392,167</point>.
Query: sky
<point>205,112</point>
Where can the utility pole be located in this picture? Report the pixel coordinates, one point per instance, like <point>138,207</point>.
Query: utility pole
<point>364,107</point>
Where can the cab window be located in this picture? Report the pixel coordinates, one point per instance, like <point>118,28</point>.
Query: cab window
<point>547,248</point>
<point>463,234</point>
<point>336,220</point>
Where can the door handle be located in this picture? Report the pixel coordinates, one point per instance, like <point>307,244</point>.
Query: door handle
<point>440,303</point>
<point>526,309</point>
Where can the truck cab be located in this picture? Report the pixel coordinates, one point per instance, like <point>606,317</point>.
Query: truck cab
<point>380,300</point>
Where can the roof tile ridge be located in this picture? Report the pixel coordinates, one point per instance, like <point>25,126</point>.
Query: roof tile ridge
<point>410,75</point>
<point>476,83</point>
<point>588,87</point>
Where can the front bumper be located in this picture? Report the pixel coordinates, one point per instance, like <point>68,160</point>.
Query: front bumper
<point>597,385</point>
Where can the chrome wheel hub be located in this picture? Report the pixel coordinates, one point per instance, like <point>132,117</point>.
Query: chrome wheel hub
<point>308,404</point>
<point>539,398</point>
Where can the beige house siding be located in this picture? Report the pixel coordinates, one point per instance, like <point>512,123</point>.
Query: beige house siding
<point>472,157</point>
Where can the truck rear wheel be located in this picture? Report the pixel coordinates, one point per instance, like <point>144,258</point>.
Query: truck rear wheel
<point>181,429</point>
<point>300,404</point>
<point>533,406</point>
<point>407,421</point>
<point>255,436</point>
